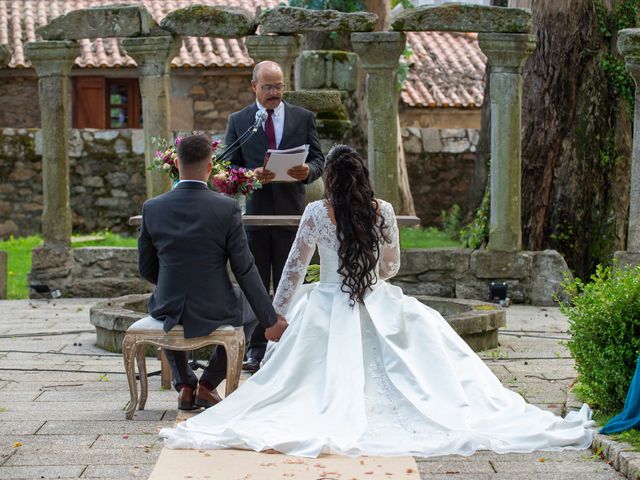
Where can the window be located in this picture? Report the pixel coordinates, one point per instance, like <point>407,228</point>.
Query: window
<point>106,103</point>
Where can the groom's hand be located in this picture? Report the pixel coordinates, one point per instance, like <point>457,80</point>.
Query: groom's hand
<point>274,332</point>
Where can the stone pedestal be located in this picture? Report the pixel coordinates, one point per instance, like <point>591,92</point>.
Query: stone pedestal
<point>507,53</point>
<point>281,49</point>
<point>53,61</point>
<point>153,56</point>
<point>379,53</point>
<point>629,46</point>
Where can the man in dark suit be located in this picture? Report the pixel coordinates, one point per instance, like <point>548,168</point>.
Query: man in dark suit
<point>187,237</point>
<point>286,126</point>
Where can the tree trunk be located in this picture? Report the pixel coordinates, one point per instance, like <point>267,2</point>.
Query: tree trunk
<point>576,141</point>
<point>382,8</point>
<point>407,207</point>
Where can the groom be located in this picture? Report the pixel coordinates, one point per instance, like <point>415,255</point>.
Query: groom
<point>187,237</point>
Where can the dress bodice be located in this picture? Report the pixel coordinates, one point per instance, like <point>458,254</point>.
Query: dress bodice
<point>317,229</point>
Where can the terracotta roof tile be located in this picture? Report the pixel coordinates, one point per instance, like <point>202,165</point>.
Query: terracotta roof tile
<point>447,71</point>
<point>447,68</point>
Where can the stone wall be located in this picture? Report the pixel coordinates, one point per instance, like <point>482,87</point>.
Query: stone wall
<point>107,173</point>
<point>19,107</point>
<point>107,180</point>
<point>441,164</point>
<point>531,277</point>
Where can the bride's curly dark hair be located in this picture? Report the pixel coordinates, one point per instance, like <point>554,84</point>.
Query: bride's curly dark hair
<point>359,223</point>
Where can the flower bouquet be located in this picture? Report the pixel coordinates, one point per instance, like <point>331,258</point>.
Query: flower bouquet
<point>224,179</point>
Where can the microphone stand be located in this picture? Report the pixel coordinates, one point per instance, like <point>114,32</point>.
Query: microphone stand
<point>241,140</point>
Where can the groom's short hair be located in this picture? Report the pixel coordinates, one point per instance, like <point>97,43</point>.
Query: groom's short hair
<point>194,149</point>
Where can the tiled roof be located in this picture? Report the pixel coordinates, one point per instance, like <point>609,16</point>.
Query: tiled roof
<point>447,70</point>
<point>20,18</point>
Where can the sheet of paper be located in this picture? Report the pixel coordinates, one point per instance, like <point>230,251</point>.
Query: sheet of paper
<point>279,161</point>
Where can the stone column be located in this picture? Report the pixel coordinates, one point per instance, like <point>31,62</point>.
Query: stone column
<point>629,46</point>
<point>53,61</point>
<point>282,49</point>
<point>507,53</point>
<point>153,56</point>
<point>379,53</point>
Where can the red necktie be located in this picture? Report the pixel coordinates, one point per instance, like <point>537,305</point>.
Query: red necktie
<point>270,130</point>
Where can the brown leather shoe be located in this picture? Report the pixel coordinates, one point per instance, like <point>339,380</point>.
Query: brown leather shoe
<point>206,398</point>
<point>185,399</point>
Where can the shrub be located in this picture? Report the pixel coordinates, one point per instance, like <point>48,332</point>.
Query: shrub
<point>604,324</point>
<point>450,221</point>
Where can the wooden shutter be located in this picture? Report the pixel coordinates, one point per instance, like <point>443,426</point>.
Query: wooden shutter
<point>89,105</point>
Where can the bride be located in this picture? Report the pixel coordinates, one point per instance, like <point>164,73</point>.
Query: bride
<point>362,368</point>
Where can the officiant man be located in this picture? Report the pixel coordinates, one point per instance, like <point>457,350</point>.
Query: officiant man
<point>286,126</point>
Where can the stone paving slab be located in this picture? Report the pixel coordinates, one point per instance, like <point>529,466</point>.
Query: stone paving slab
<point>102,427</point>
<point>151,441</point>
<point>25,427</point>
<point>48,471</point>
<point>118,471</point>
<point>82,456</point>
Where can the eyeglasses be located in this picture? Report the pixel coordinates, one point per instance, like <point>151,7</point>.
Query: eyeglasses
<point>275,88</point>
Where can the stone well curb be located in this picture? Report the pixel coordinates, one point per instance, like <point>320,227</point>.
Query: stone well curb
<point>620,455</point>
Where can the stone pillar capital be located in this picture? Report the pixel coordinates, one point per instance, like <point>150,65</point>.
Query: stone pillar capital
<point>273,47</point>
<point>378,50</point>
<point>507,52</point>
<point>52,58</point>
<point>283,49</point>
<point>152,54</point>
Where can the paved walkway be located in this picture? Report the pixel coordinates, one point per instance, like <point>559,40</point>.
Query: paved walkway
<point>62,400</point>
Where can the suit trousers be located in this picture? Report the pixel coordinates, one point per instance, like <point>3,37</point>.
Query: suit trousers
<point>216,369</point>
<point>270,248</point>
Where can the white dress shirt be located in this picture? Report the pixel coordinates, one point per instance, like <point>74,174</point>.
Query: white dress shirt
<point>198,181</point>
<point>278,120</point>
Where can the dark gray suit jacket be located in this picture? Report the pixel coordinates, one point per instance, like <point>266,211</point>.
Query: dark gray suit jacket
<point>186,238</point>
<point>299,128</point>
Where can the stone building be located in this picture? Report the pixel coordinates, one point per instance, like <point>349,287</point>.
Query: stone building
<point>439,109</point>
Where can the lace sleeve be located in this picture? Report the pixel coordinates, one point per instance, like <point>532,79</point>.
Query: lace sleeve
<point>390,253</point>
<point>296,267</point>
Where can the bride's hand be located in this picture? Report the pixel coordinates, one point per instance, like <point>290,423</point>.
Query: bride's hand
<point>274,332</point>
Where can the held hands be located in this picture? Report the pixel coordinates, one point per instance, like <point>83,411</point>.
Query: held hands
<point>274,332</point>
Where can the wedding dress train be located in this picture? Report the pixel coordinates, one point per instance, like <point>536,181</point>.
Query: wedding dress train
<point>387,377</point>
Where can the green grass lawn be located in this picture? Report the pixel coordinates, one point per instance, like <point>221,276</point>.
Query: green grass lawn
<point>19,253</point>
<point>19,250</point>
<point>426,238</point>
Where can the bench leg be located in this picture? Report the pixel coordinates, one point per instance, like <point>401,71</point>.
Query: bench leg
<point>128,355</point>
<point>165,371</point>
<point>142,369</point>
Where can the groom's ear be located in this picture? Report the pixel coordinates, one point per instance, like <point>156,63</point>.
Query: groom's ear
<point>176,162</point>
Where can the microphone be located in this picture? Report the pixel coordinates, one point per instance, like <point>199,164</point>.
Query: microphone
<point>261,116</point>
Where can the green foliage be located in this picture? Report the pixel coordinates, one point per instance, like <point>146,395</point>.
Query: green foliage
<point>476,233</point>
<point>604,324</point>
<point>625,15</point>
<point>19,256</point>
<point>405,3</point>
<point>404,65</point>
<point>450,221</point>
<point>340,5</point>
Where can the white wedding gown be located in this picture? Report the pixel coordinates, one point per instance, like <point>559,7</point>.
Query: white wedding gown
<point>389,377</point>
